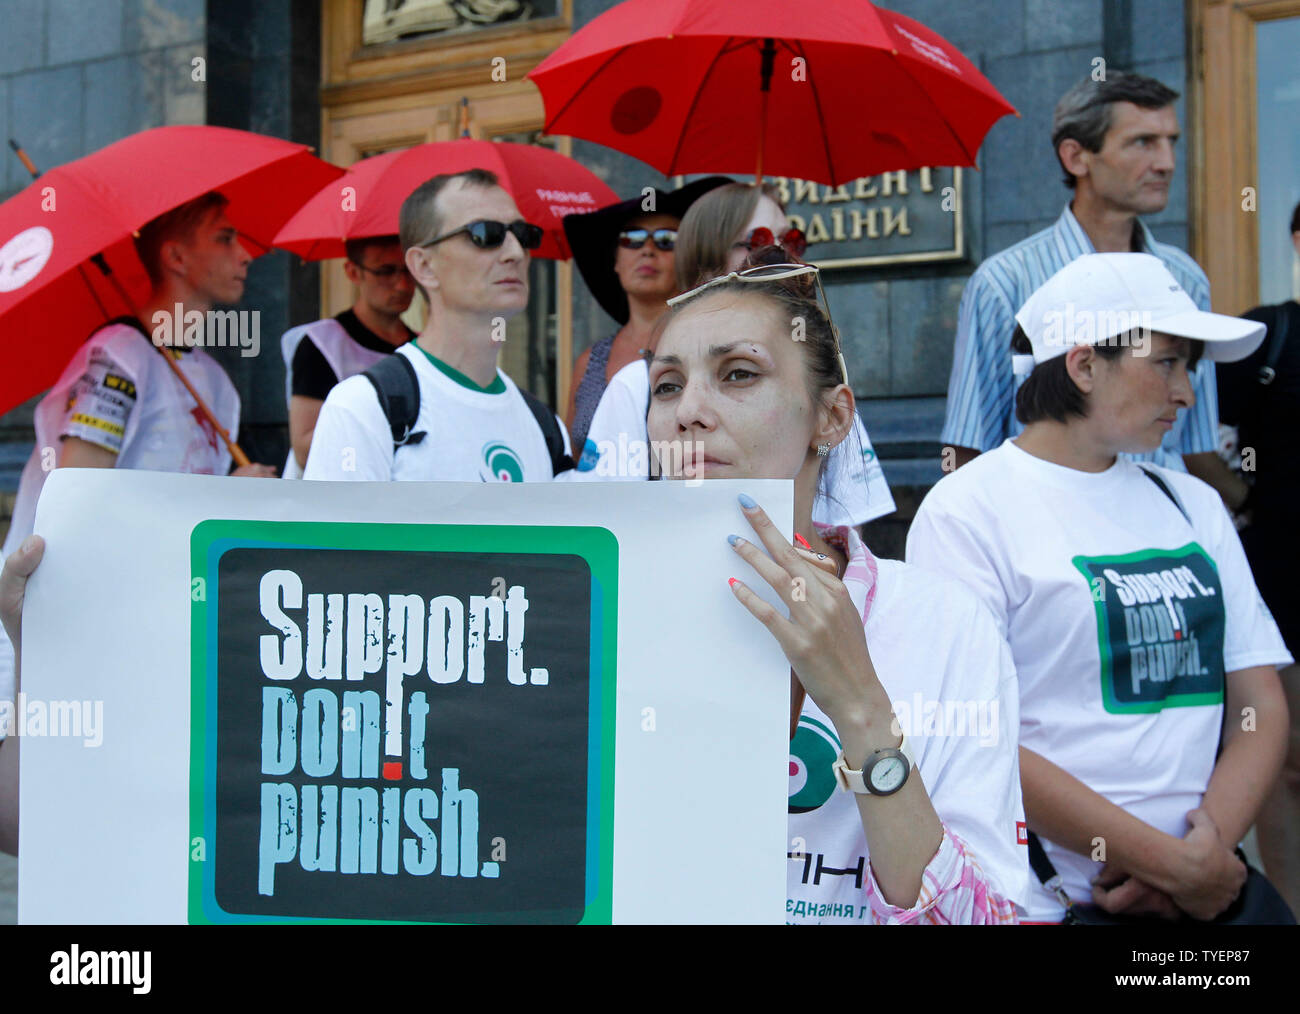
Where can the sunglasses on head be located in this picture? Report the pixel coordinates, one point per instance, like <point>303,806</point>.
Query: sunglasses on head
<point>774,273</point>
<point>488,235</point>
<point>635,239</point>
<point>794,242</point>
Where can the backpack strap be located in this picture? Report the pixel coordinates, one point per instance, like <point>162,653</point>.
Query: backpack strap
<point>1164,488</point>
<point>550,426</point>
<point>395,383</point>
<point>398,389</point>
<point>1276,340</point>
<point>1046,873</point>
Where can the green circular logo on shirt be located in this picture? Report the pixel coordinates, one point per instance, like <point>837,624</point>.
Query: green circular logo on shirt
<point>812,752</point>
<point>502,463</point>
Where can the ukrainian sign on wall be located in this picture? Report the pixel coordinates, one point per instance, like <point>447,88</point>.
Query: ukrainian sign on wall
<point>893,218</point>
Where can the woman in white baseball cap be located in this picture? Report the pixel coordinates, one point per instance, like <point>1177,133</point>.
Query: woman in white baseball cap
<point>1140,641</point>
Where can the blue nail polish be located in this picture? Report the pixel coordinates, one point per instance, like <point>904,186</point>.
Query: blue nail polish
<point>733,539</point>
<point>747,502</point>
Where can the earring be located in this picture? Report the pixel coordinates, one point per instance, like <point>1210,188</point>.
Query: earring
<point>823,449</point>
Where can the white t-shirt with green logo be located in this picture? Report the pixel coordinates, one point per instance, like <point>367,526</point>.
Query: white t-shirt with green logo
<point>471,434</point>
<point>949,677</point>
<point>1123,620</point>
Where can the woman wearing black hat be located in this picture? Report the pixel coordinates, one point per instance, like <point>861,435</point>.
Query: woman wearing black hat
<point>625,255</point>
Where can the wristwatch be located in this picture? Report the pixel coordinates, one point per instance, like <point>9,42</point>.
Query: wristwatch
<point>883,773</point>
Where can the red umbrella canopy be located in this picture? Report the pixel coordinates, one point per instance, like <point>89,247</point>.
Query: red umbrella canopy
<point>854,89</point>
<point>53,295</point>
<point>367,201</point>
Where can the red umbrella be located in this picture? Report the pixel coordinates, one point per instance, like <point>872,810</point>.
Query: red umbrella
<point>545,184</point>
<point>825,91</point>
<point>56,234</point>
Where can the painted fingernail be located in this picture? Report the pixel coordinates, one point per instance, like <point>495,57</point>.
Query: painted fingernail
<point>747,501</point>
<point>802,541</point>
<point>733,539</point>
<point>732,581</point>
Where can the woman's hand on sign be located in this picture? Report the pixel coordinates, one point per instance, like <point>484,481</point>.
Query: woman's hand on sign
<point>823,638</point>
<point>13,588</point>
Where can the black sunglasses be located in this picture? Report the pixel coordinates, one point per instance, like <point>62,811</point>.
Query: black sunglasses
<point>387,273</point>
<point>635,239</point>
<point>489,235</point>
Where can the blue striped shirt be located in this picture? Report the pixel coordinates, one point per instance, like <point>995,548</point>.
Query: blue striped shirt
<point>982,389</point>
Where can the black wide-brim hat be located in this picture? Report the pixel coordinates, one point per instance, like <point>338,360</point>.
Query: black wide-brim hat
<point>593,238</point>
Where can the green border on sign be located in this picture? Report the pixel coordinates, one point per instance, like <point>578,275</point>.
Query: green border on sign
<point>597,546</point>
<point>1107,668</point>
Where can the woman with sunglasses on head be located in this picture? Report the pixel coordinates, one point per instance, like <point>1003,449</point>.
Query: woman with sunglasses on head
<point>1152,723</point>
<point>626,255</point>
<point>729,223</point>
<point>922,827</point>
<point>716,237</point>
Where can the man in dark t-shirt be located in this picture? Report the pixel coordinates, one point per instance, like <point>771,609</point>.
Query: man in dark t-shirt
<point>319,355</point>
<point>1260,395</point>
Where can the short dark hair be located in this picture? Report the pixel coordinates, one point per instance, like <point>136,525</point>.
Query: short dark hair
<point>1049,392</point>
<point>419,221</point>
<point>355,249</point>
<point>178,224</point>
<point>1085,112</point>
<point>1295,219</point>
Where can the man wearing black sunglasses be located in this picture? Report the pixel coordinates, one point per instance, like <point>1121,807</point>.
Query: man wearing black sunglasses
<point>441,409</point>
<point>319,355</point>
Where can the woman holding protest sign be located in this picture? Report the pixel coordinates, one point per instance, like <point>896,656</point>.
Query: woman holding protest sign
<point>928,832</point>
<point>1152,720</point>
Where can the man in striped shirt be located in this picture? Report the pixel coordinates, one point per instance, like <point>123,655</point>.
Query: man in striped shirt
<point>1115,141</point>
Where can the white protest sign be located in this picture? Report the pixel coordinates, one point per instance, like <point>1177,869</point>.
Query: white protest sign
<point>399,702</point>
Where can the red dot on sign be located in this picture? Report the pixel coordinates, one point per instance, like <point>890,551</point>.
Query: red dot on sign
<point>794,769</point>
<point>393,770</point>
<point>1178,635</point>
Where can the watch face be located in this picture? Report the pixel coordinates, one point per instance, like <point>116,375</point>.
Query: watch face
<point>888,774</point>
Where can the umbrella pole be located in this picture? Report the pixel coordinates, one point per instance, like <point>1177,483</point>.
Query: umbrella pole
<point>28,164</point>
<point>765,89</point>
<point>236,452</point>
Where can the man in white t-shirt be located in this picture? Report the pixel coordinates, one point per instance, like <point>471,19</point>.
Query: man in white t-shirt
<point>467,249</point>
<point>1138,634</point>
<point>320,354</point>
<point>118,404</point>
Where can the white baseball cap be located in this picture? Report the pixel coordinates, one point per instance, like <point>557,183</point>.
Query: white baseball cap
<point>1097,297</point>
